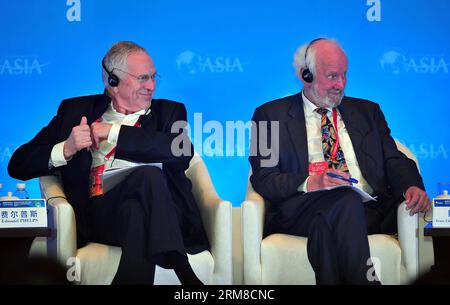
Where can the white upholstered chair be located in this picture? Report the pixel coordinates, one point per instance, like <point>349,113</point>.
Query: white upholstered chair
<point>282,258</point>
<point>99,262</point>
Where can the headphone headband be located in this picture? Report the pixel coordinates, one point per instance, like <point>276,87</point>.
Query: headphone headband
<point>307,74</point>
<point>113,80</point>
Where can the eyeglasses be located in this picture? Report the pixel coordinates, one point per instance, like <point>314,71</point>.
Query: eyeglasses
<point>142,78</point>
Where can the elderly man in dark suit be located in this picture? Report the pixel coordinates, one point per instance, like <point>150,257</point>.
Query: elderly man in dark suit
<point>327,140</point>
<point>152,214</point>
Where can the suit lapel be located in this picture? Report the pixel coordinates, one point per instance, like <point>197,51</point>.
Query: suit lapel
<point>99,108</point>
<point>297,131</point>
<point>149,121</point>
<point>358,130</point>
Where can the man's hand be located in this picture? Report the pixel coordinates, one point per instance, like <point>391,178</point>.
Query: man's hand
<point>416,200</point>
<point>99,132</point>
<point>79,138</point>
<point>321,181</point>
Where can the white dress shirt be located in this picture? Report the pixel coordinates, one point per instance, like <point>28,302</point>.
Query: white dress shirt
<point>315,151</point>
<point>110,116</point>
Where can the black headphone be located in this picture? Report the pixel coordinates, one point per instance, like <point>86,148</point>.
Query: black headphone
<point>113,80</point>
<point>307,74</point>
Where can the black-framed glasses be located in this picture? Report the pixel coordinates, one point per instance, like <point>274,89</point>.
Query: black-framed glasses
<point>142,78</point>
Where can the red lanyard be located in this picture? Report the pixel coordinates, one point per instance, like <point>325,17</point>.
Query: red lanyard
<point>108,155</point>
<point>336,144</point>
<point>95,177</point>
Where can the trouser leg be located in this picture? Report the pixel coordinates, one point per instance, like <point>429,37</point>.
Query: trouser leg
<point>139,216</point>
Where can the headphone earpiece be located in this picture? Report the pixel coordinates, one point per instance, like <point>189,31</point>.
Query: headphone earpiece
<point>113,80</point>
<point>307,74</point>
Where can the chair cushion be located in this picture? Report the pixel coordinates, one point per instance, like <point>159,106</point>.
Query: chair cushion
<point>99,265</point>
<point>386,249</point>
<point>284,259</point>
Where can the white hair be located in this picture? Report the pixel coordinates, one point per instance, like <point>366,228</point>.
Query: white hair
<point>116,58</point>
<point>303,61</point>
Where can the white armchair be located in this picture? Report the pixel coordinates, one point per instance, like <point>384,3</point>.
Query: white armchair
<point>99,262</point>
<point>282,258</point>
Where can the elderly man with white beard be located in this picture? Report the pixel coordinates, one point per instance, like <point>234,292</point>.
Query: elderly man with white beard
<point>326,140</point>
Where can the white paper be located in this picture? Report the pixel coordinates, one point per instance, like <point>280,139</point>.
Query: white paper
<point>364,196</point>
<point>114,175</point>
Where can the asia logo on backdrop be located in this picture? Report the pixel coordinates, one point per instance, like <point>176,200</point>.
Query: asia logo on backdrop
<point>427,150</point>
<point>5,154</point>
<point>192,63</point>
<point>21,65</point>
<point>397,63</point>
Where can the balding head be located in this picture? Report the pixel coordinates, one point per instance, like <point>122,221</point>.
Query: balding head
<point>327,62</point>
<point>309,60</point>
<point>328,52</point>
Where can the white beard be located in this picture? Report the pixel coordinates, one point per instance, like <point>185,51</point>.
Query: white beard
<point>325,102</point>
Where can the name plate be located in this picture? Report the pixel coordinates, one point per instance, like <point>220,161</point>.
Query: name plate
<point>441,213</point>
<point>23,213</point>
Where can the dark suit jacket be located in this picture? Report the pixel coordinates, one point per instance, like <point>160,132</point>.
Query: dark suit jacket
<point>150,143</point>
<point>388,171</point>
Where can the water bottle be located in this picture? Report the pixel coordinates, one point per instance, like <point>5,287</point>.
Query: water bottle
<point>9,197</point>
<point>21,192</point>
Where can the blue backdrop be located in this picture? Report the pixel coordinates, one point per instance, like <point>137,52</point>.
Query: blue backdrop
<point>223,59</point>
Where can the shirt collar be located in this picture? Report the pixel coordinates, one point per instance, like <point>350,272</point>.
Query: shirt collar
<point>309,107</point>
<point>140,112</point>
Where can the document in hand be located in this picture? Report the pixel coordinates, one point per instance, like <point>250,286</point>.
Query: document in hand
<point>364,196</point>
<point>114,175</point>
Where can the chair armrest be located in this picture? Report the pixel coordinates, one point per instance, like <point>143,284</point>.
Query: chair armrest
<point>62,243</point>
<point>219,231</point>
<point>252,235</point>
<point>408,230</point>
<point>216,217</point>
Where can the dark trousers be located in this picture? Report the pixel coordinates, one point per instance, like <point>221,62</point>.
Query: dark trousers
<point>139,216</point>
<point>336,223</point>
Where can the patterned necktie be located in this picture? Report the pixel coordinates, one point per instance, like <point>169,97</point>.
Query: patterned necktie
<point>328,140</point>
